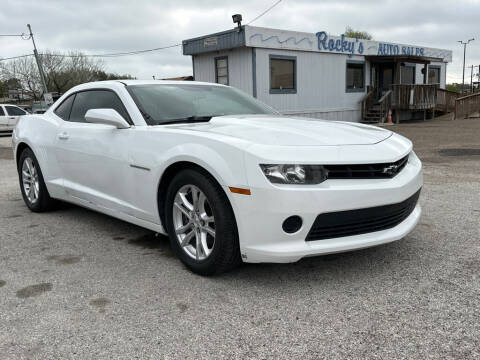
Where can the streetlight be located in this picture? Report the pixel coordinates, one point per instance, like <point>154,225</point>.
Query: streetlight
<point>464,51</point>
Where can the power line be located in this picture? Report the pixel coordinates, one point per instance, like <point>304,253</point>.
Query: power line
<point>266,11</point>
<point>15,57</point>
<point>136,52</point>
<point>118,53</point>
<point>22,35</point>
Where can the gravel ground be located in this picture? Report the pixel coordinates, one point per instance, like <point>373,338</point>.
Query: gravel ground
<point>77,284</point>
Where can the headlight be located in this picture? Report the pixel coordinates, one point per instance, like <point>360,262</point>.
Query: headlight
<point>294,174</point>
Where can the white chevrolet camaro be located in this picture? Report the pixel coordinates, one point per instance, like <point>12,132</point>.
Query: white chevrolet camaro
<point>225,176</point>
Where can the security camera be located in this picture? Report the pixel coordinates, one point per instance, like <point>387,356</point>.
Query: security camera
<point>237,18</point>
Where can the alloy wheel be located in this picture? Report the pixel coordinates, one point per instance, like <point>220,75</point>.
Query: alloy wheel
<point>194,222</point>
<point>31,185</point>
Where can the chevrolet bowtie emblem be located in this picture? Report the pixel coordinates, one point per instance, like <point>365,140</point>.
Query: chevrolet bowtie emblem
<point>390,170</point>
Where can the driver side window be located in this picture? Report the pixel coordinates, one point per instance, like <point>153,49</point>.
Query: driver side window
<point>96,99</point>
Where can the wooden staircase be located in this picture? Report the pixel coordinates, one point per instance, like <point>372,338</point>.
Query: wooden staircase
<point>376,111</point>
<point>373,115</point>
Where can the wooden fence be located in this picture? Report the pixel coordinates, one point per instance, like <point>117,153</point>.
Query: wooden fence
<point>446,100</point>
<point>466,106</point>
<point>414,97</point>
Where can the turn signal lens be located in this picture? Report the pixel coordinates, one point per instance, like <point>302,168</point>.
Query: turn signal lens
<point>295,174</point>
<point>241,191</point>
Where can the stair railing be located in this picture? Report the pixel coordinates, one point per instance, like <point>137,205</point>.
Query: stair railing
<point>367,102</point>
<point>385,103</point>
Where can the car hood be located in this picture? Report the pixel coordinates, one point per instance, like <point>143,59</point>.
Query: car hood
<point>291,131</point>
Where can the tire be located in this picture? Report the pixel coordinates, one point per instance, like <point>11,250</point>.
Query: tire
<point>38,200</point>
<point>215,256</point>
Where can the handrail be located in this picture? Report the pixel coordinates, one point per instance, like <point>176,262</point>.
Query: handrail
<point>468,96</point>
<point>366,102</point>
<point>467,105</point>
<point>385,103</point>
<point>389,92</point>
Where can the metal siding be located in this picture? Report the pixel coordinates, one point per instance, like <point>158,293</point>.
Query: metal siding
<point>321,90</point>
<point>225,40</point>
<point>239,68</point>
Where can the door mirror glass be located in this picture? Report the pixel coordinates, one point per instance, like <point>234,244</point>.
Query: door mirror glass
<point>107,117</point>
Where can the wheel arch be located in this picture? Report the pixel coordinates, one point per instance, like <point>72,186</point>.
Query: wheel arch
<point>168,175</point>
<point>20,148</point>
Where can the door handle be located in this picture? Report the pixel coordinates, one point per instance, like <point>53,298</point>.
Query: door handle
<point>63,136</point>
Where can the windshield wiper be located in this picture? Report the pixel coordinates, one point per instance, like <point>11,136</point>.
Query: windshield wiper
<point>187,120</point>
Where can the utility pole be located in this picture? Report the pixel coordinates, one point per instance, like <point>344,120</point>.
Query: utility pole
<point>39,63</point>
<point>471,80</point>
<point>464,51</point>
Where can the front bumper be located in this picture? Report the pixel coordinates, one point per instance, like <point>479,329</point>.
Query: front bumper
<point>260,216</point>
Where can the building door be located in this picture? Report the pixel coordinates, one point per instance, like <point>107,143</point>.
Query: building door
<point>382,78</point>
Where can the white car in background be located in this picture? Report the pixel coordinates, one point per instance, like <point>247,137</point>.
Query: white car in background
<point>9,115</point>
<point>225,176</point>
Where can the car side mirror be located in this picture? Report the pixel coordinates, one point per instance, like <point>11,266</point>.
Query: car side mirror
<point>107,117</point>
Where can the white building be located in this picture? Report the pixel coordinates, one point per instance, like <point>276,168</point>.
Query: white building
<point>317,75</point>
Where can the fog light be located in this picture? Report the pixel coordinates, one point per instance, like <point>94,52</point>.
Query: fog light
<point>292,224</point>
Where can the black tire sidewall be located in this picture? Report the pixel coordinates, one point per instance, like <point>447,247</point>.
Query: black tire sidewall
<point>226,236</point>
<point>44,199</point>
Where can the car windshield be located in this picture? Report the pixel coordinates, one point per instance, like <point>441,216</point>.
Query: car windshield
<point>171,103</point>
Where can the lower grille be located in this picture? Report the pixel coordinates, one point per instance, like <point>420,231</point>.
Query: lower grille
<point>361,221</point>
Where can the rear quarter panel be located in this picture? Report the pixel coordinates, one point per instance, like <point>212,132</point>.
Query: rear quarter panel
<point>39,133</point>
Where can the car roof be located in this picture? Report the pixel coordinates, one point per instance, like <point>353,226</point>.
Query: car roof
<point>96,84</point>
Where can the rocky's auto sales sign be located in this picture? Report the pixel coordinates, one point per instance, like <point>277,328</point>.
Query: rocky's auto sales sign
<point>323,42</point>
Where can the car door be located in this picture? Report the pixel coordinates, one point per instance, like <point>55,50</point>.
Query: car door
<point>14,114</point>
<point>93,158</point>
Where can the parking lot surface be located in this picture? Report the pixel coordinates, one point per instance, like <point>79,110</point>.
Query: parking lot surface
<point>78,284</point>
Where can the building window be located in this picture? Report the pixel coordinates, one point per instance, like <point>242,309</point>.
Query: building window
<point>355,76</point>
<point>434,74</point>
<point>407,74</point>
<point>283,74</point>
<point>221,70</point>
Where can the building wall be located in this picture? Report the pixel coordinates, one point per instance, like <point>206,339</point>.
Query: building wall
<point>321,85</point>
<point>443,73</point>
<point>239,67</point>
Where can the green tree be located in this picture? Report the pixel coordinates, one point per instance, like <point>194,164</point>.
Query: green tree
<point>356,34</point>
<point>453,87</point>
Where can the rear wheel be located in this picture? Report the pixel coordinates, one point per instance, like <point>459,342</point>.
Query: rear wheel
<point>201,223</point>
<point>32,185</point>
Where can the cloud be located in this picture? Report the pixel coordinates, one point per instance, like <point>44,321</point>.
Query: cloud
<point>96,26</point>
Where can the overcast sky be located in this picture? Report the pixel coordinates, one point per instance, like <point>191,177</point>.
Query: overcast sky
<point>103,26</point>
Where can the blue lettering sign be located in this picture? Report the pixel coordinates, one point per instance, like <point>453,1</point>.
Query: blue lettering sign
<point>340,45</point>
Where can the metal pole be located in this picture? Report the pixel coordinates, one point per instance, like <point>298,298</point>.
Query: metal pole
<point>39,63</point>
<point>464,51</point>
<point>463,78</point>
<point>471,80</point>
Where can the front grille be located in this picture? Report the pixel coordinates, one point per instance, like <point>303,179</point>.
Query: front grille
<point>361,221</point>
<point>366,171</point>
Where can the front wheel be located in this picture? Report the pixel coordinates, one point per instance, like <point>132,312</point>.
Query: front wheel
<point>201,223</point>
<point>32,185</point>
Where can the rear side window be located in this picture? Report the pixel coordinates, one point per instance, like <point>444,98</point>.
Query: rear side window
<point>63,110</point>
<point>2,113</point>
<point>96,99</point>
<point>14,111</point>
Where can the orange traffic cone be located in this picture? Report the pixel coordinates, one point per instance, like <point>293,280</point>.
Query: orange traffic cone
<point>389,117</point>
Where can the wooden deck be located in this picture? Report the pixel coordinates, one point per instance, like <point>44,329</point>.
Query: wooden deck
<point>408,97</point>
<point>467,106</point>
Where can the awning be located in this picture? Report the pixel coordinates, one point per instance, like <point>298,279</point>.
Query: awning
<point>401,58</point>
